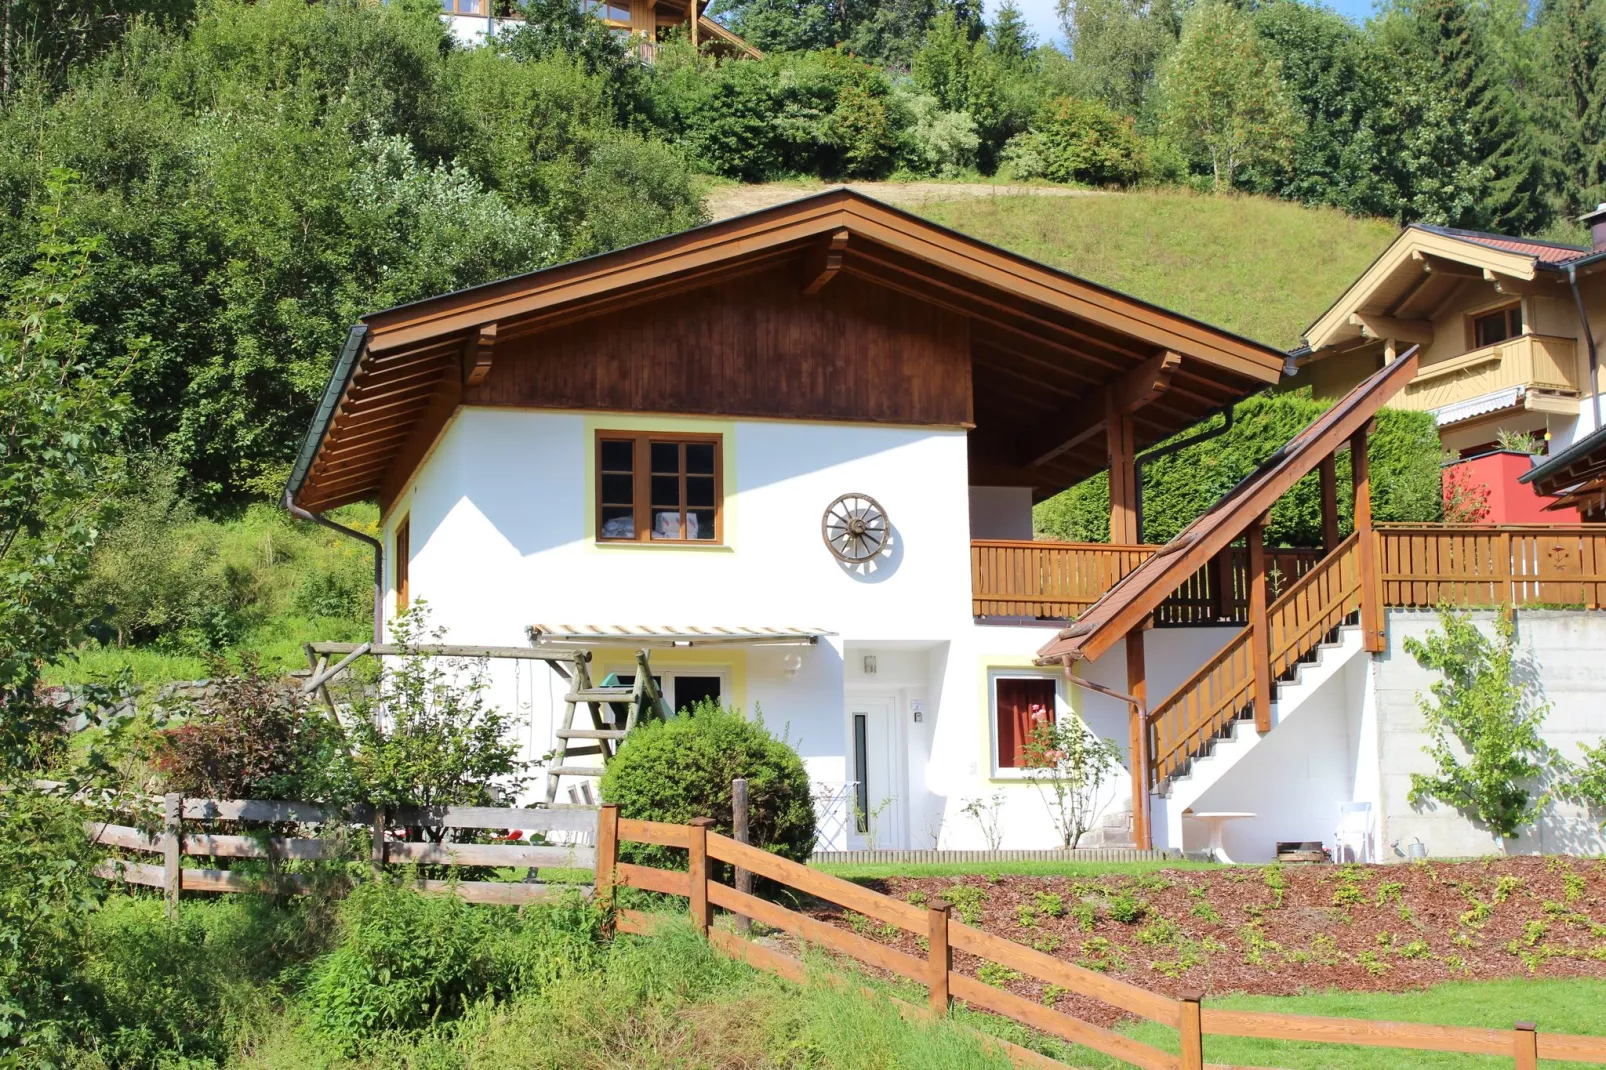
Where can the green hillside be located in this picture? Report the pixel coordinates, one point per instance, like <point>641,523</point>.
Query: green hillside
<point>1259,267</point>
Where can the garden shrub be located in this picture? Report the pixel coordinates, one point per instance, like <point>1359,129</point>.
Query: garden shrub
<point>406,960</point>
<point>1075,140</point>
<point>936,142</point>
<point>1404,455</point>
<point>681,768</point>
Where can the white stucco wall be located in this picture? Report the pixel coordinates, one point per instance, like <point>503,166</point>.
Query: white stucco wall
<point>1564,650</point>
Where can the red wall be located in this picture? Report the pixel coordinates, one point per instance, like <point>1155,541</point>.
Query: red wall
<point>1510,502</point>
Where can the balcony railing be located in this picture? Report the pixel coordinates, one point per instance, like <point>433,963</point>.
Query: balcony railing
<point>1419,565</point>
<point>1535,362</point>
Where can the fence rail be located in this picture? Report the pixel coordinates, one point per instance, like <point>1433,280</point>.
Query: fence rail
<point>175,842</point>
<point>942,935</point>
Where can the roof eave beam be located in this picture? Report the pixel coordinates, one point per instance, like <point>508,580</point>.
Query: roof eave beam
<point>1416,332</point>
<point>1084,417</point>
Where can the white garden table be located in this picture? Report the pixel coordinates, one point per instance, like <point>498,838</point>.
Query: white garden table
<point>1214,821</point>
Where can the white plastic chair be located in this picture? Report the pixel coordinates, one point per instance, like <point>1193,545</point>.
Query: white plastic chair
<point>1354,832</point>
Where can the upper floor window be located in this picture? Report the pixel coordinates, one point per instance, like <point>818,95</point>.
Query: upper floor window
<point>658,487</point>
<point>1491,327</point>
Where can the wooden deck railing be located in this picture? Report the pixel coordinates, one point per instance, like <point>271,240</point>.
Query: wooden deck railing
<point>1419,565</point>
<point>1223,687</point>
<point>943,936</point>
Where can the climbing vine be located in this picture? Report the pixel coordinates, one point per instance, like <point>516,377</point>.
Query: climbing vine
<point>1484,718</point>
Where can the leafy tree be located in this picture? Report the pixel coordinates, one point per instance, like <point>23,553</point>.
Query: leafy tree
<point>59,463</point>
<point>1484,720</point>
<point>426,735</point>
<point>1077,141</point>
<point>45,38</point>
<point>1224,99</point>
<point>961,73</point>
<point>1118,47</point>
<point>1068,763</point>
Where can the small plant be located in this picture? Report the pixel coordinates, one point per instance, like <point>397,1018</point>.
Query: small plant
<point>991,973</point>
<point>1048,943</point>
<point>916,897</point>
<point>1414,950</point>
<point>868,822</point>
<point>1100,954</point>
<point>1126,908</point>
<point>1086,913</point>
<point>1203,910</point>
<point>1389,892</point>
<point>1026,914</point>
<point>1049,904</point>
<point>988,814</point>
<point>1052,994</point>
<point>1505,886</point>
<point>1518,441</point>
<point>1491,712</point>
<point>1068,763</point>
<point>1572,885</point>
<point>1348,895</point>
<point>1274,879</point>
<point>1372,963</point>
<point>1585,782</point>
<point>967,900</point>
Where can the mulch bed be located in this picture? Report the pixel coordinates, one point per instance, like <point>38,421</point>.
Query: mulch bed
<point>1279,930</point>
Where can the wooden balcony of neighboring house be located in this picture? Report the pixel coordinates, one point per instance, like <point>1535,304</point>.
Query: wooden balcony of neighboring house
<point>1532,371</point>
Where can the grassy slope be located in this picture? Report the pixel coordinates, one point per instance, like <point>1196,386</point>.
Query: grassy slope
<point>1259,267</point>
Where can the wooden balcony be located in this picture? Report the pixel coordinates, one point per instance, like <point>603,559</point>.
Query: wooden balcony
<point>1419,566</point>
<point>1543,365</point>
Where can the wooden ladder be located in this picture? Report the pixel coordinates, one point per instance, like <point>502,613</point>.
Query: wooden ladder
<point>602,739</point>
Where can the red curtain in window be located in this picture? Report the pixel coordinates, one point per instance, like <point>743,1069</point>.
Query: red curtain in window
<point>1021,703</point>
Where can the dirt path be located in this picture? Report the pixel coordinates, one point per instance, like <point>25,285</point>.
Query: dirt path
<point>726,201</point>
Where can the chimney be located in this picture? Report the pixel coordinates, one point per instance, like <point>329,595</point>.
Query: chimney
<point>1596,222</point>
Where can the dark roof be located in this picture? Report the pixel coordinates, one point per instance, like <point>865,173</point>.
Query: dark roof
<point>1583,460</point>
<point>1140,592</point>
<point>1546,252</point>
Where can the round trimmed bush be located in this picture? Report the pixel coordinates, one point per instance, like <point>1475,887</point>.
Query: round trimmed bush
<point>682,768</point>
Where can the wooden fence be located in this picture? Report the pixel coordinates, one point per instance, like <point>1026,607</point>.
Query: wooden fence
<point>943,935</point>
<point>176,841</point>
<point>1427,565</point>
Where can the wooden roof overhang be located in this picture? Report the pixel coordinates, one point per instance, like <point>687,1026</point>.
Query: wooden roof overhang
<point>1130,602</point>
<point>1576,476</point>
<point>1048,349</point>
<point>1398,294</point>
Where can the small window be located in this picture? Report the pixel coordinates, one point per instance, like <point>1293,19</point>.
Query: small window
<point>1497,326</point>
<point>1020,704</point>
<point>658,488</point>
<point>402,551</point>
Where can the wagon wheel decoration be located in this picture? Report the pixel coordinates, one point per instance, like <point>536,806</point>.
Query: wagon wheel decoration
<point>855,528</point>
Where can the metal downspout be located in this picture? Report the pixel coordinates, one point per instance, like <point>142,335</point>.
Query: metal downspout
<point>379,557</point>
<point>1164,451</point>
<point>1589,341</point>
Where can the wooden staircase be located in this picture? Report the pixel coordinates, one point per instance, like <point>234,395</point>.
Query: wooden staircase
<point>602,739</point>
<point>1183,725</point>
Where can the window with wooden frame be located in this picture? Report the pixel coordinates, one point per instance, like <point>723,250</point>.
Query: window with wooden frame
<point>1020,704</point>
<point>659,487</point>
<point>402,552</point>
<point>1496,325</point>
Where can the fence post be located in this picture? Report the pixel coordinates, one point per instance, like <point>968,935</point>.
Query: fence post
<point>1525,1045</point>
<point>172,847</point>
<point>940,955</point>
<point>607,856</point>
<point>739,832</point>
<point>702,915</point>
<point>1190,1030</point>
<point>381,823</point>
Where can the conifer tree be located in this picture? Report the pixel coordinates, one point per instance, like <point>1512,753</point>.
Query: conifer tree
<point>1009,37</point>
<point>1571,112</point>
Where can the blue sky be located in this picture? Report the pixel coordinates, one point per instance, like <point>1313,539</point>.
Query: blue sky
<point>1045,23</point>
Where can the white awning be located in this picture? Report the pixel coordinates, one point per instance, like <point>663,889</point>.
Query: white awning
<point>671,635</point>
<point>1479,406</point>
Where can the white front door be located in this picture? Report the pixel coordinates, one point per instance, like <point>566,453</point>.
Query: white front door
<point>876,805</point>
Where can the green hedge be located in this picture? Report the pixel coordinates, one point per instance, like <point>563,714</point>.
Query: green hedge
<point>1404,454</point>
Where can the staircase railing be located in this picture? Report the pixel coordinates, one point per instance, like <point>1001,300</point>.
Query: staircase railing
<point>1207,702</point>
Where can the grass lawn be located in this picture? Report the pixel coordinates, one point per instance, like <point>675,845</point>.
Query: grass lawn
<point>869,871</point>
<point>1260,267</point>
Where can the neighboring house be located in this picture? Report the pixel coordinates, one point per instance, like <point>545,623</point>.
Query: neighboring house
<point>641,22</point>
<point>794,454</point>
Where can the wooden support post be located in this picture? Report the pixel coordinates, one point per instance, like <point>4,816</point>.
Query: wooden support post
<point>1121,442</point>
<point>1190,1031</point>
<point>1525,1045</point>
<point>1329,478</point>
<point>1137,685</point>
<point>1366,546</point>
<point>1221,589</point>
<point>378,849</point>
<point>702,913</point>
<point>739,833</point>
<point>607,859</point>
<point>172,847</point>
<point>940,956</point>
<point>1259,627</point>
<point>692,7</point>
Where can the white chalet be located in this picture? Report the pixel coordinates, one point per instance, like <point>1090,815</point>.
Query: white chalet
<point>794,456</point>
